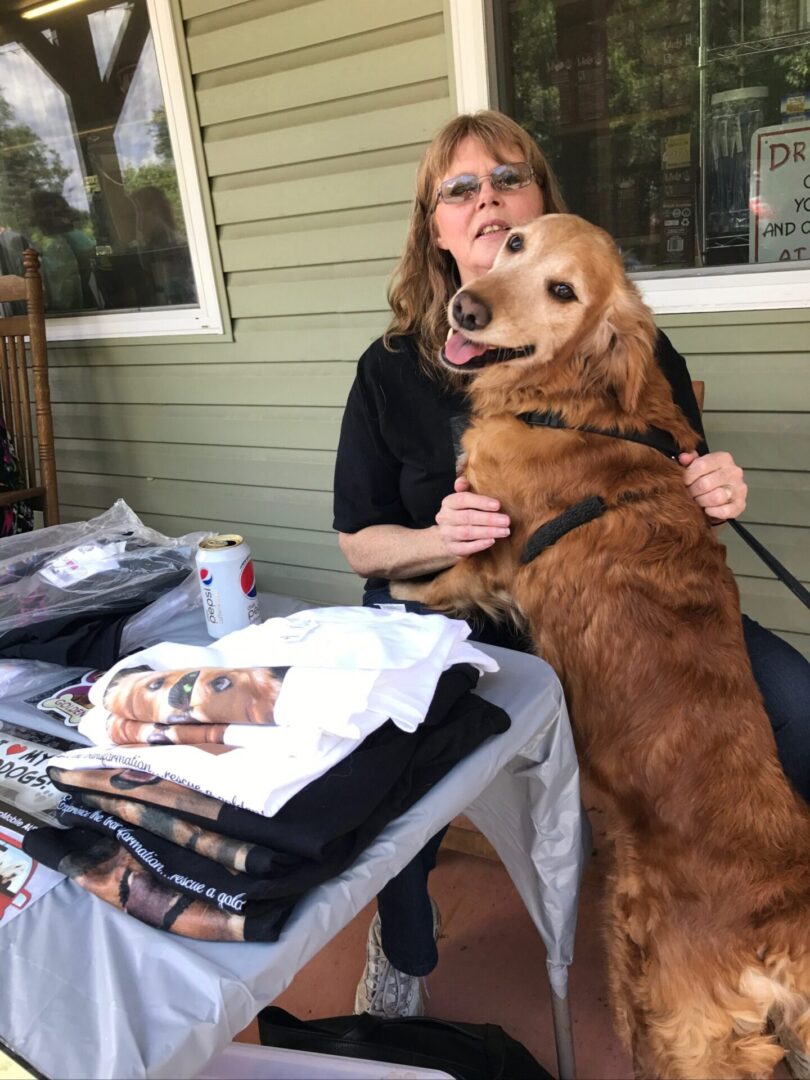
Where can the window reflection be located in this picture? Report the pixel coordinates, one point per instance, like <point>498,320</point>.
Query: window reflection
<point>87,172</point>
<point>649,109</point>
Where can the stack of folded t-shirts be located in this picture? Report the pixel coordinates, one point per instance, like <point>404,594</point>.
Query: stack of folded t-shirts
<point>227,781</point>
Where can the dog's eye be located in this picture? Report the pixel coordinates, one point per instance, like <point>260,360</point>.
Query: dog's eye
<point>221,682</point>
<point>562,291</point>
<point>515,242</point>
<point>155,684</point>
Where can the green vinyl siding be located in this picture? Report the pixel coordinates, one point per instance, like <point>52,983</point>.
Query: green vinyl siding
<point>313,116</point>
<point>756,366</point>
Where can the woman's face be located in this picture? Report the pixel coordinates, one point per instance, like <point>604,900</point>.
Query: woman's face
<point>459,227</point>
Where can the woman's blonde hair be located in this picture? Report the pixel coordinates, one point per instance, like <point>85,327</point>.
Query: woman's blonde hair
<point>426,276</point>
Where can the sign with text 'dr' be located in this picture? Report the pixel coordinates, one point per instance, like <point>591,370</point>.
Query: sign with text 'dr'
<point>780,194</point>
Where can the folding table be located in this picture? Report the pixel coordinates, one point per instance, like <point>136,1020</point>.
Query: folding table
<point>88,991</point>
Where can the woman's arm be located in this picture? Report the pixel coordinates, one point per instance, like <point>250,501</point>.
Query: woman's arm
<point>394,552</point>
<point>465,523</point>
<point>714,480</point>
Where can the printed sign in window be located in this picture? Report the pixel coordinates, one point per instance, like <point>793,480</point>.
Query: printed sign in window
<point>780,194</point>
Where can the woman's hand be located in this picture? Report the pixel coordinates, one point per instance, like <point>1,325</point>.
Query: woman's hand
<point>716,483</point>
<point>468,522</point>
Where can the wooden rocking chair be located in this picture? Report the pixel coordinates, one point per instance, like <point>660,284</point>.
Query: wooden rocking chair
<point>38,476</point>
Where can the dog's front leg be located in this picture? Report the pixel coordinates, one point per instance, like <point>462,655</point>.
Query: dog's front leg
<point>469,587</point>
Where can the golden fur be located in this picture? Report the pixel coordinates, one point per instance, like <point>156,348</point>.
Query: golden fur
<point>709,900</point>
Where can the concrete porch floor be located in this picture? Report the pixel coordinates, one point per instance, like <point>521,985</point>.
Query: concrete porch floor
<point>491,966</point>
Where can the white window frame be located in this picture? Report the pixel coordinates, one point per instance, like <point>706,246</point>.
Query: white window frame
<point>676,291</point>
<point>206,316</point>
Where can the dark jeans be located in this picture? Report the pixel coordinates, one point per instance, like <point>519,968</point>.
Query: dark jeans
<point>406,917</point>
<point>783,676</point>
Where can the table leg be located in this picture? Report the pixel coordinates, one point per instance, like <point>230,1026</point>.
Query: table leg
<point>563,1036</point>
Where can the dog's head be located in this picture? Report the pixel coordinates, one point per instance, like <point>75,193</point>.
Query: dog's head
<point>210,695</point>
<point>557,294</point>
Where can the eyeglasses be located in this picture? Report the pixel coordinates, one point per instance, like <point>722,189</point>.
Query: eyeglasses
<point>460,189</point>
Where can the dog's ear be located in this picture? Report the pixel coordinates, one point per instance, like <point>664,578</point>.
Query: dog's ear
<point>622,347</point>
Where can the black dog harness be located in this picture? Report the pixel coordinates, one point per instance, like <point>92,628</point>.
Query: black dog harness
<point>655,437</point>
<point>594,506</point>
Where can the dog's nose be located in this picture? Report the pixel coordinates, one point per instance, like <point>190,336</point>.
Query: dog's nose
<point>470,313</point>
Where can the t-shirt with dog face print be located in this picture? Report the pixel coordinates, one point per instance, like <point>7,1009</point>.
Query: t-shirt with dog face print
<point>318,683</point>
<point>323,669</point>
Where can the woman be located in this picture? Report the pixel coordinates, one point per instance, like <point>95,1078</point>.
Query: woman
<point>402,513</point>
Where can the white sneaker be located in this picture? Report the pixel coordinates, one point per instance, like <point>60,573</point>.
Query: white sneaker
<point>383,990</point>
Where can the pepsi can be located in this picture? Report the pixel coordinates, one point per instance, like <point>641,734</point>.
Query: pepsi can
<point>228,584</point>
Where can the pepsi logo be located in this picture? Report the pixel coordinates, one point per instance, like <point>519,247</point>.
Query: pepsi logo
<point>206,577</point>
<point>248,579</point>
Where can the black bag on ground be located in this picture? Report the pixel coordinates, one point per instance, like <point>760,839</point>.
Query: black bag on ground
<point>465,1051</point>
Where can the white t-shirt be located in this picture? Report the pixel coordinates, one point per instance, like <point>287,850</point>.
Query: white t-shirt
<point>351,669</point>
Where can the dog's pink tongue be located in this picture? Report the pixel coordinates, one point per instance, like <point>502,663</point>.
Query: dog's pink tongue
<point>459,349</point>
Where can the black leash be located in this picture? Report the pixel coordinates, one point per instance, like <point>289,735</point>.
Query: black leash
<point>773,564</point>
<point>577,515</point>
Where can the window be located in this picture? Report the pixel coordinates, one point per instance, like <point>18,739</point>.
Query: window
<point>96,169</point>
<point>682,127</point>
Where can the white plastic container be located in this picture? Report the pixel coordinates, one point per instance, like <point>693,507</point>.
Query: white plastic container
<point>244,1061</point>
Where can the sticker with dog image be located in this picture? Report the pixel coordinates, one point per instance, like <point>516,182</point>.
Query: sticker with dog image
<point>68,701</point>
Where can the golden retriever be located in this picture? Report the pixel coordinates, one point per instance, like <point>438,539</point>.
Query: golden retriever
<point>709,900</point>
<point>217,696</point>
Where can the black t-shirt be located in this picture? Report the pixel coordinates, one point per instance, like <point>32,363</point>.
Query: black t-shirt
<point>396,458</point>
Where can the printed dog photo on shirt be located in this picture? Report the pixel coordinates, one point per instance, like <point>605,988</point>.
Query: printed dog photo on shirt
<point>156,707</point>
<point>141,786</point>
<point>225,850</point>
<point>101,866</point>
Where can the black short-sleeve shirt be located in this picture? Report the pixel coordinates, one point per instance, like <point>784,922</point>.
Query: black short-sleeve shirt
<point>396,457</point>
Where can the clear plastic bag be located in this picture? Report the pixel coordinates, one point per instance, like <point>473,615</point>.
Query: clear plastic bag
<point>104,564</point>
<point>149,626</point>
<point>19,676</point>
